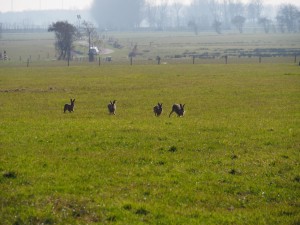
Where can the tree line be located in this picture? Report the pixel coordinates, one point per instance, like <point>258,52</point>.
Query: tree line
<point>217,15</point>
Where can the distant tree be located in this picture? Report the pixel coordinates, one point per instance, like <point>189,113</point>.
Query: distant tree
<point>65,35</point>
<point>238,22</point>
<point>216,9</point>
<point>117,14</point>
<point>162,10</point>
<point>266,23</point>
<point>225,13</point>
<point>288,17</point>
<point>235,8</point>
<point>254,10</point>
<point>90,32</point>
<point>217,26</point>
<point>150,14</point>
<point>201,14</point>
<point>177,6</point>
<point>0,30</point>
<point>194,26</point>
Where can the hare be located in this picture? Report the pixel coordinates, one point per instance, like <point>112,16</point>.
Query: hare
<point>158,109</point>
<point>68,107</point>
<point>178,109</point>
<point>112,107</point>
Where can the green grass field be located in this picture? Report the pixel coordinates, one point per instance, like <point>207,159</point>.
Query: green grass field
<point>232,159</point>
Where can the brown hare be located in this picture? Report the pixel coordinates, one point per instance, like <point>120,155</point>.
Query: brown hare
<point>157,109</point>
<point>112,107</point>
<point>178,109</point>
<point>68,107</point>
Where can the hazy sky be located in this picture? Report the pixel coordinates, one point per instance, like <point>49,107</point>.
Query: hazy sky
<point>19,5</point>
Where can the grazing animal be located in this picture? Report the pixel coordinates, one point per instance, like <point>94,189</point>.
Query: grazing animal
<point>112,107</point>
<point>158,109</point>
<point>68,107</point>
<point>178,109</point>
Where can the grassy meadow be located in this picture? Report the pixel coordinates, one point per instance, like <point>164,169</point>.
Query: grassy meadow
<point>232,159</point>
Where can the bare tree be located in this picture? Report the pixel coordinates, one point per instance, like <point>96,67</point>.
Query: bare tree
<point>117,14</point>
<point>217,26</point>
<point>162,9</point>
<point>0,30</point>
<point>287,17</point>
<point>193,25</point>
<point>216,9</point>
<point>266,23</point>
<point>90,32</point>
<point>235,8</point>
<point>254,10</point>
<point>239,22</point>
<point>151,12</point>
<point>203,12</point>
<point>177,6</point>
<point>217,13</point>
<point>225,13</point>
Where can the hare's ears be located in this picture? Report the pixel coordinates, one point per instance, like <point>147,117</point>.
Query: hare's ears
<point>160,104</point>
<point>182,106</point>
<point>73,100</point>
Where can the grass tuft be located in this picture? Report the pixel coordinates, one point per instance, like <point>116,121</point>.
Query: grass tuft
<point>173,149</point>
<point>10,174</point>
<point>142,211</point>
<point>234,172</point>
<point>297,179</point>
<point>112,218</point>
<point>127,207</point>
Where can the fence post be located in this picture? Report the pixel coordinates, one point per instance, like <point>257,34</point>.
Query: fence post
<point>131,60</point>
<point>158,60</point>
<point>193,59</point>
<point>259,59</point>
<point>226,59</point>
<point>4,55</point>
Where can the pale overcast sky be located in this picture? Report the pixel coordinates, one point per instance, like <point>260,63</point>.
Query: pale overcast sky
<point>21,5</point>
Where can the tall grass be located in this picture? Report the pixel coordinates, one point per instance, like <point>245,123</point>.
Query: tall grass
<point>233,158</point>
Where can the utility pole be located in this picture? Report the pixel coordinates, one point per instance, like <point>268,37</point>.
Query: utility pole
<point>79,18</point>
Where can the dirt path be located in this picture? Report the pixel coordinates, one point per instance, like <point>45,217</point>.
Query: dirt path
<point>106,51</point>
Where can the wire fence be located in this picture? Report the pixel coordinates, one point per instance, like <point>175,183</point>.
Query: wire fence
<point>110,60</point>
<point>46,59</point>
